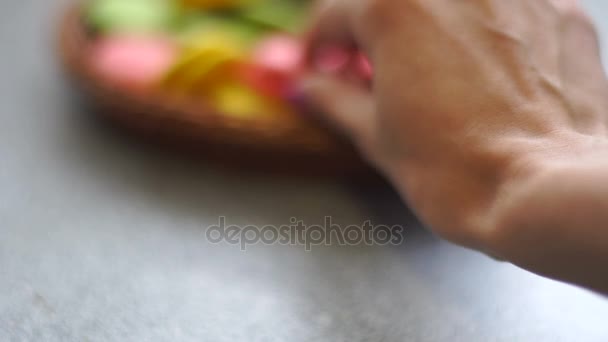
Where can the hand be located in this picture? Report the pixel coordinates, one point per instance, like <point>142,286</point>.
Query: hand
<point>473,102</point>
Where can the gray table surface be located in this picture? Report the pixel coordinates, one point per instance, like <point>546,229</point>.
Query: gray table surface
<point>102,239</point>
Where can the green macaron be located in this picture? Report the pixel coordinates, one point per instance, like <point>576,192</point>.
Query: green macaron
<point>135,16</point>
<point>281,15</point>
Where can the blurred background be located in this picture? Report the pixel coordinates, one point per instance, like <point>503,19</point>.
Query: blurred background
<point>102,238</point>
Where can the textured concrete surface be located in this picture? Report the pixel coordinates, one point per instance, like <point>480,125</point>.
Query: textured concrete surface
<point>102,239</point>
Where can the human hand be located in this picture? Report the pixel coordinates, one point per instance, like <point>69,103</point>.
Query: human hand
<point>471,101</point>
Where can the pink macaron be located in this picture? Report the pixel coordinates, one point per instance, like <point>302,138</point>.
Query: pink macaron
<point>138,61</point>
<point>275,64</point>
<point>338,60</point>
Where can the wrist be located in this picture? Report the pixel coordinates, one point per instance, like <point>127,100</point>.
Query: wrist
<point>554,222</point>
<point>541,188</point>
<point>469,200</point>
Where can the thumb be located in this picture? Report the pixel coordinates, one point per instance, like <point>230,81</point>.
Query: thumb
<point>347,107</point>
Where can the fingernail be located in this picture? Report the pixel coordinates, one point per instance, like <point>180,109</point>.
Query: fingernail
<point>299,97</point>
<point>296,96</point>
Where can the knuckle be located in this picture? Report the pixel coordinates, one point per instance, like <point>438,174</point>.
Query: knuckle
<point>575,13</point>
<point>374,9</point>
<point>575,17</point>
<point>581,19</point>
<point>374,12</point>
<point>381,15</point>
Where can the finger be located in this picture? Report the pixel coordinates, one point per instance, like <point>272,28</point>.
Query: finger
<point>346,106</point>
<point>330,28</point>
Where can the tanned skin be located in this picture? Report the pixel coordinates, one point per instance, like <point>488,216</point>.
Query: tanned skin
<point>488,116</point>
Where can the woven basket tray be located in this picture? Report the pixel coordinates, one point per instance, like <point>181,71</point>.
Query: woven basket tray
<point>294,145</point>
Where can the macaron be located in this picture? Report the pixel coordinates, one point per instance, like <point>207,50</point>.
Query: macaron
<point>344,62</point>
<point>204,28</point>
<point>138,61</point>
<point>364,67</point>
<point>131,16</point>
<point>279,15</point>
<point>213,4</point>
<point>205,62</point>
<point>241,101</point>
<point>274,64</point>
<point>279,52</point>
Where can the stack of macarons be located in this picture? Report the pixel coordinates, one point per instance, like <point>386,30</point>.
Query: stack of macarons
<point>240,56</point>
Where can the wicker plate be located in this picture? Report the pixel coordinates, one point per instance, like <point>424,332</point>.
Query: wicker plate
<point>290,144</point>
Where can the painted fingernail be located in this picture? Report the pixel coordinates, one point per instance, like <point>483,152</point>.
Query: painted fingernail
<point>297,97</point>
